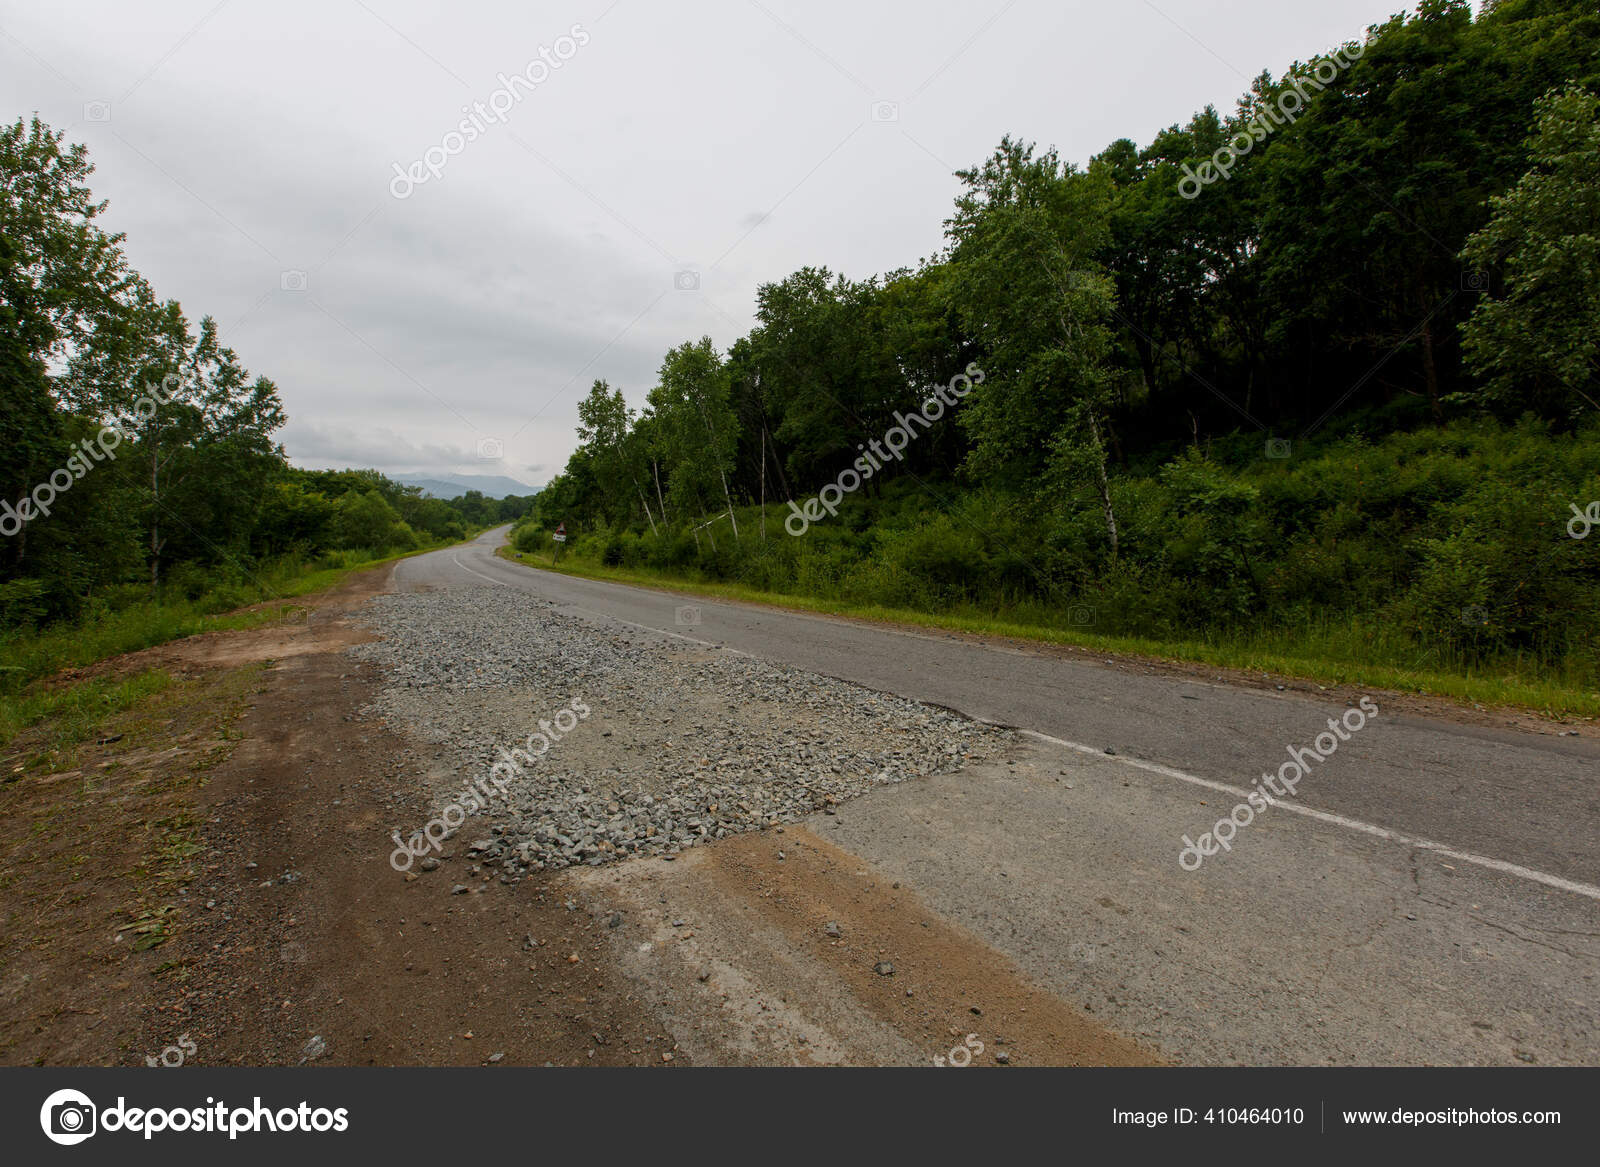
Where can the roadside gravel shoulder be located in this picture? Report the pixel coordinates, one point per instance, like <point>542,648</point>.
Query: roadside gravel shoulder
<point>563,744</point>
<point>667,817</point>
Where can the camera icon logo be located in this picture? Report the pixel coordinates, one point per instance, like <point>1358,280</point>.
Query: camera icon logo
<point>1278,448</point>
<point>1081,615</point>
<point>68,1117</point>
<point>97,111</point>
<point>1475,616</point>
<point>885,111</point>
<point>686,281</point>
<point>1474,281</point>
<point>687,616</point>
<point>491,449</point>
<point>293,281</point>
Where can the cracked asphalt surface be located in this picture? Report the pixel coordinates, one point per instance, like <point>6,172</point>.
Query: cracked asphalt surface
<point>1438,907</point>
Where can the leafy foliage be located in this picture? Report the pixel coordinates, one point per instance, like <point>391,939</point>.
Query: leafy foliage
<point>141,451</point>
<point>1538,345</point>
<point>1345,392</point>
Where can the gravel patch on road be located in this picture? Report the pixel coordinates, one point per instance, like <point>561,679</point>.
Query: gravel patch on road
<point>680,745</point>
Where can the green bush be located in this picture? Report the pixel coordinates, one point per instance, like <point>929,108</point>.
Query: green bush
<point>1445,545</point>
<point>22,602</point>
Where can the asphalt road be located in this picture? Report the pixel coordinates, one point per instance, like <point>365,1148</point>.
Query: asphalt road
<point>1429,893</point>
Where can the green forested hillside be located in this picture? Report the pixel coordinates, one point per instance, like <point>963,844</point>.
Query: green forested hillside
<point>1319,371</point>
<point>140,481</point>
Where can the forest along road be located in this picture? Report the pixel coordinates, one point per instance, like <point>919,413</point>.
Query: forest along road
<point>1429,893</point>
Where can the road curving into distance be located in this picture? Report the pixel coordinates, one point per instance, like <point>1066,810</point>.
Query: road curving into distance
<point>1429,893</point>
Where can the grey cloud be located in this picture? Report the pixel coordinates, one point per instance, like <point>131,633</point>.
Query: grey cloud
<point>248,140</point>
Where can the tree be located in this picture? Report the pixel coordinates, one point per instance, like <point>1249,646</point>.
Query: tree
<point>366,520</point>
<point>1537,345</point>
<point>691,403</point>
<point>204,427</point>
<point>1027,231</point>
<point>604,424</point>
<point>61,277</point>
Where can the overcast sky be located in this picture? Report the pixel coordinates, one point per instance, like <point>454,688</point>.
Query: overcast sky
<point>248,149</point>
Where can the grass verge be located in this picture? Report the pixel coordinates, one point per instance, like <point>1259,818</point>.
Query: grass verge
<point>76,711</point>
<point>29,656</point>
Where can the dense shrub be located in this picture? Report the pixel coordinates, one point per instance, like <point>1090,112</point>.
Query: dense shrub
<point>1451,541</point>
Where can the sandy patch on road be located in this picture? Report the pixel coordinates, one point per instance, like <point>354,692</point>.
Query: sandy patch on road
<point>731,942</point>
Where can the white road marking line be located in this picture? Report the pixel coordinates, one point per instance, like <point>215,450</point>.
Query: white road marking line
<point>499,583</point>
<point>1338,820</point>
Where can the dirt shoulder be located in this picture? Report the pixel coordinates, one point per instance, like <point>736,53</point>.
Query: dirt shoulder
<point>210,884</point>
<point>317,950</point>
<point>225,897</point>
<point>99,865</point>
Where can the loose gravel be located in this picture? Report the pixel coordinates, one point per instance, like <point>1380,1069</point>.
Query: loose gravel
<point>681,744</point>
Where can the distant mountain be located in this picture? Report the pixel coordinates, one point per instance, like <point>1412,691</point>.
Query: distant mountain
<point>455,485</point>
